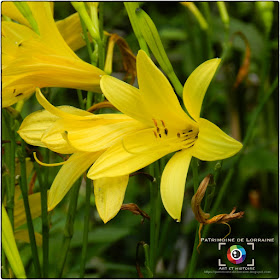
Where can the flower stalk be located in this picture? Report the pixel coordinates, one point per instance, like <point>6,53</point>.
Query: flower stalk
<point>69,227</point>
<point>155,216</point>
<point>23,187</point>
<point>45,221</point>
<point>11,155</point>
<point>86,228</point>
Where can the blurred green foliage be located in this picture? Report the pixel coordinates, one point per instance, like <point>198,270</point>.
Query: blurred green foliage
<point>254,186</point>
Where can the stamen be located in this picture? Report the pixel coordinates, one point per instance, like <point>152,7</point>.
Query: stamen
<point>162,123</point>
<point>19,94</point>
<point>48,164</point>
<point>178,135</point>
<point>155,133</point>
<point>159,135</point>
<point>157,130</point>
<point>166,131</point>
<point>155,122</point>
<point>190,130</point>
<point>14,91</point>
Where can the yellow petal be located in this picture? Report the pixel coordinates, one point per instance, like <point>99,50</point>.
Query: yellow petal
<point>158,95</point>
<point>23,235</point>
<point>92,135</point>
<point>10,10</point>
<point>197,84</point>
<point>10,247</point>
<point>71,30</point>
<point>134,152</point>
<point>61,71</point>
<point>57,112</point>
<point>35,125</point>
<point>67,176</point>
<point>109,194</point>
<point>19,210</point>
<point>48,31</point>
<point>173,182</point>
<point>213,144</point>
<point>125,98</point>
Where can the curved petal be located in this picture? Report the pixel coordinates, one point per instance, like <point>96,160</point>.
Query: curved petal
<point>213,144</point>
<point>109,194</point>
<point>54,138</point>
<point>35,125</point>
<point>68,174</point>
<point>42,13</point>
<point>158,95</point>
<point>92,135</point>
<point>125,98</point>
<point>173,182</point>
<point>134,152</point>
<point>197,84</point>
<point>57,112</point>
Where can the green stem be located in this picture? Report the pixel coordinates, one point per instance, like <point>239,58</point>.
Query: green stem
<point>189,273</point>
<point>11,188</point>
<point>45,221</point>
<point>69,227</point>
<point>195,174</point>
<point>89,48</point>
<point>86,228</point>
<point>155,216</point>
<point>89,99</point>
<point>101,43</point>
<point>24,191</point>
<point>195,187</point>
<point>81,100</point>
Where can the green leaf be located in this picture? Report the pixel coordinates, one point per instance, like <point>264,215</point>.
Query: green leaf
<point>10,247</point>
<point>105,234</point>
<point>27,13</point>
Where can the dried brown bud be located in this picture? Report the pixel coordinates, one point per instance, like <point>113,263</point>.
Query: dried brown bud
<point>202,217</point>
<point>132,207</point>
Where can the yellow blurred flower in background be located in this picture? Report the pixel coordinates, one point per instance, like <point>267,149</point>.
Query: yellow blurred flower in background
<point>31,60</point>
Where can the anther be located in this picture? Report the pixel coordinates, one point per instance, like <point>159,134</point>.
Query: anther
<point>155,133</point>
<point>155,122</point>
<point>157,130</point>
<point>14,91</point>
<point>19,94</point>
<point>159,135</point>
<point>166,131</point>
<point>190,130</point>
<point>192,145</point>
<point>178,135</point>
<point>196,136</point>
<point>162,123</point>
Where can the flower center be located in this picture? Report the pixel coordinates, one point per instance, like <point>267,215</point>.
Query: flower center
<point>184,138</point>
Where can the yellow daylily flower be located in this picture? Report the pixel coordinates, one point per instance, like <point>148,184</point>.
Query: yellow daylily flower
<point>86,136</point>
<point>31,60</point>
<point>167,128</point>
